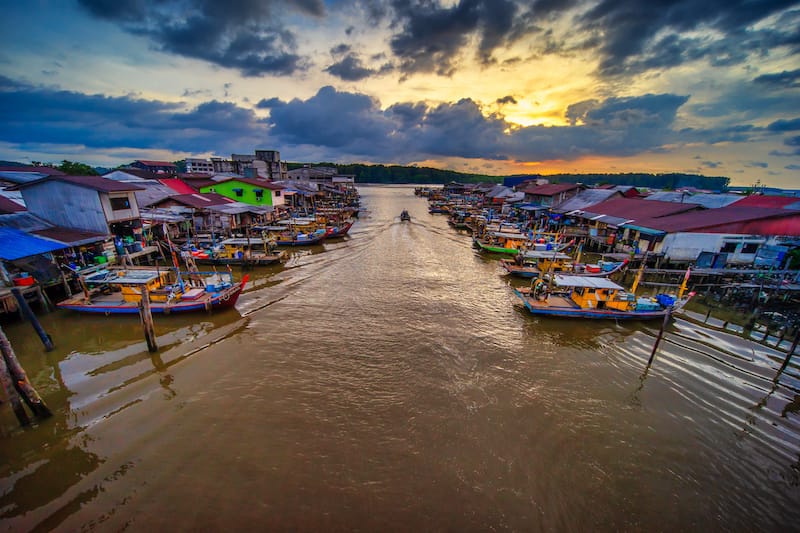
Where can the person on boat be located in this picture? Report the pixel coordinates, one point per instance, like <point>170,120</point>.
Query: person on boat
<point>518,259</point>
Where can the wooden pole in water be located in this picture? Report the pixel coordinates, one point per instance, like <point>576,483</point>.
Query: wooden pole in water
<point>147,320</point>
<point>10,394</point>
<point>789,355</point>
<point>26,311</point>
<point>660,334</point>
<point>21,382</point>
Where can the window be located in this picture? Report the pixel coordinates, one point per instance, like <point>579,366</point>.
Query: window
<point>277,193</point>
<point>118,204</point>
<point>728,247</point>
<point>749,248</point>
<point>239,192</point>
<point>259,194</point>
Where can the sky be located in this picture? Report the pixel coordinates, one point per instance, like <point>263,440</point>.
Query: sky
<point>493,87</point>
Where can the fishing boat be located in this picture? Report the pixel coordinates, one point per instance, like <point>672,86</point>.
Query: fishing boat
<point>120,290</point>
<point>535,263</point>
<point>404,216</point>
<point>500,242</point>
<point>337,231</point>
<point>287,236</point>
<point>239,251</point>
<point>592,298</point>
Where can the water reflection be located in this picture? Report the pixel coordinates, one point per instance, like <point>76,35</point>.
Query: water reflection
<point>388,381</point>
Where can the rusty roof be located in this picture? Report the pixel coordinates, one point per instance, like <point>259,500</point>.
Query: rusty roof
<point>636,208</point>
<point>728,219</point>
<point>97,183</point>
<point>551,189</point>
<point>765,200</point>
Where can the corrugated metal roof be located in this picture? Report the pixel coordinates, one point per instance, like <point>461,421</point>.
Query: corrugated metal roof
<point>764,200</point>
<point>16,244</point>
<point>9,206</point>
<point>98,183</point>
<point>24,221</point>
<point>730,219</point>
<point>70,236</point>
<point>709,201</point>
<point>550,189</point>
<point>201,201</point>
<point>636,209</point>
<point>586,198</point>
<point>237,208</point>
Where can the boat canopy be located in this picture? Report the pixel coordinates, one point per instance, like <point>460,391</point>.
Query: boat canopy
<point>505,235</point>
<point>586,281</point>
<point>545,254</point>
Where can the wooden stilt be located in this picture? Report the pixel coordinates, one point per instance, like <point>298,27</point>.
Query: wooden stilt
<point>25,309</point>
<point>10,394</point>
<point>789,355</point>
<point>147,320</point>
<point>21,382</point>
<point>660,334</point>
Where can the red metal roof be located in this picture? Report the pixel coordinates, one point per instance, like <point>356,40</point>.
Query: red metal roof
<point>762,200</point>
<point>729,219</point>
<point>551,189</point>
<point>8,206</point>
<point>638,209</point>
<point>178,186</point>
<point>70,235</point>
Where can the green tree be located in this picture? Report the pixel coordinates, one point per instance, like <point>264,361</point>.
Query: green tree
<point>76,169</point>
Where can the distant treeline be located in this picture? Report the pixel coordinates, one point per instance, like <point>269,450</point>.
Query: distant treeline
<point>402,174</point>
<point>650,181</point>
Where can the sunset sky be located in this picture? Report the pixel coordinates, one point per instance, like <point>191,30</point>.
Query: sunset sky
<point>487,86</point>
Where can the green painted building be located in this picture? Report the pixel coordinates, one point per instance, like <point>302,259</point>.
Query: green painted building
<point>248,191</point>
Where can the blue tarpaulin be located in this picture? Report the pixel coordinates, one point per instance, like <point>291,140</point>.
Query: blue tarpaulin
<point>16,244</point>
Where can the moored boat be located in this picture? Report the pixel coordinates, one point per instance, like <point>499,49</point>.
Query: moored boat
<point>239,251</point>
<point>120,290</point>
<point>535,263</point>
<point>404,216</point>
<point>592,298</point>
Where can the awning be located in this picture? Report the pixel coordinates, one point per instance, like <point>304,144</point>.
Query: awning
<point>16,244</point>
<point>646,231</point>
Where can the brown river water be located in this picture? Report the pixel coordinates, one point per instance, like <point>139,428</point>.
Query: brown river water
<point>389,383</point>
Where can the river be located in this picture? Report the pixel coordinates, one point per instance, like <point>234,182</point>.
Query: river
<point>389,382</point>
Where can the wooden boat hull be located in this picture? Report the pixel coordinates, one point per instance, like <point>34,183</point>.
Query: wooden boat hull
<point>495,249</point>
<point>254,261</point>
<point>520,271</point>
<point>301,242</point>
<point>338,232</point>
<point>545,308</point>
<point>220,300</point>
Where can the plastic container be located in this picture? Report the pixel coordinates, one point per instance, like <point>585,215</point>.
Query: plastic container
<point>24,280</point>
<point>100,259</point>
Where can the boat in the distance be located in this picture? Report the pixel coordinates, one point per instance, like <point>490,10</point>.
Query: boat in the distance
<point>593,298</point>
<point>120,290</point>
<point>404,216</point>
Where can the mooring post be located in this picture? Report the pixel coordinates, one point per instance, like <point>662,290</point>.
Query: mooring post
<point>28,313</point>
<point>20,378</point>
<point>10,394</point>
<point>147,320</point>
<point>660,334</point>
<point>789,355</point>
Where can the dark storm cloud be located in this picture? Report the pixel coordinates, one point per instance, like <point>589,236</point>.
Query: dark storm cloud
<point>785,125</point>
<point>350,68</point>
<point>507,100</point>
<point>431,38</point>
<point>354,124</point>
<point>639,36</point>
<point>348,122</point>
<point>785,79</point>
<point>243,34</point>
<point>36,115</point>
